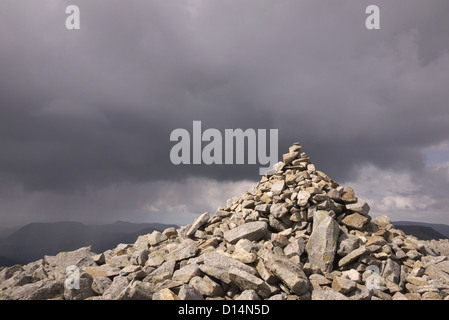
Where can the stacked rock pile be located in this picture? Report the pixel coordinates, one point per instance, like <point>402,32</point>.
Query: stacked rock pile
<point>297,235</point>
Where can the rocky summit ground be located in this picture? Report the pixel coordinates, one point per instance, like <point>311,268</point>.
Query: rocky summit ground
<point>297,235</point>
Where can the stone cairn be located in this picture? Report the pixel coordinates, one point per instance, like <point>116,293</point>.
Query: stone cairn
<point>297,235</point>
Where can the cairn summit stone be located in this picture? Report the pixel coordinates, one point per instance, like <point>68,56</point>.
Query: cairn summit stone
<point>360,206</point>
<point>295,235</point>
<point>202,219</point>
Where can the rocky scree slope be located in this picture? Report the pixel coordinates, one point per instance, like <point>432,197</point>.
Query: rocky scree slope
<point>297,235</point>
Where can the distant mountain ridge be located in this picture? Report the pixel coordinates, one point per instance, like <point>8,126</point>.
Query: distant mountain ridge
<point>34,240</point>
<point>423,230</point>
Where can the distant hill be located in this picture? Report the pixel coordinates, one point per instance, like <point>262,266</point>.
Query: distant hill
<point>6,231</point>
<point>440,231</point>
<point>34,240</point>
<point>421,232</point>
<point>7,262</point>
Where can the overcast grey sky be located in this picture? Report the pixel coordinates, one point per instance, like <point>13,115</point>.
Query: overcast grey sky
<point>86,115</point>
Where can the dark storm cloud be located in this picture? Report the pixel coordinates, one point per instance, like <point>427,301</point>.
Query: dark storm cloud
<point>98,106</point>
<point>95,107</point>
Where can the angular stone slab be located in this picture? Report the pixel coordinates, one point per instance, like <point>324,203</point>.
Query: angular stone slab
<point>248,295</point>
<point>277,188</point>
<point>187,292</point>
<point>278,210</point>
<point>322,244</point>
<point>186,273</point>
<point>343,285</point>
<point>303,198</point>
<point>199,222</point>
<point>218,273</point>
<point>295,248</point>
<point>41,290</point>
<point>435,273</point>
<point>165,294</point>
<point>104,270</point>
<point>263,208</point>
<point>184,251</point>
<point>222,262</point>
<point>355,221</point>
<point>352,256</point>
<point>206,286</point>
<point>156,237</point>
<point>246,281</point>
<point>328,294</point>
<point>81,258</point>
<point>291,275</point>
